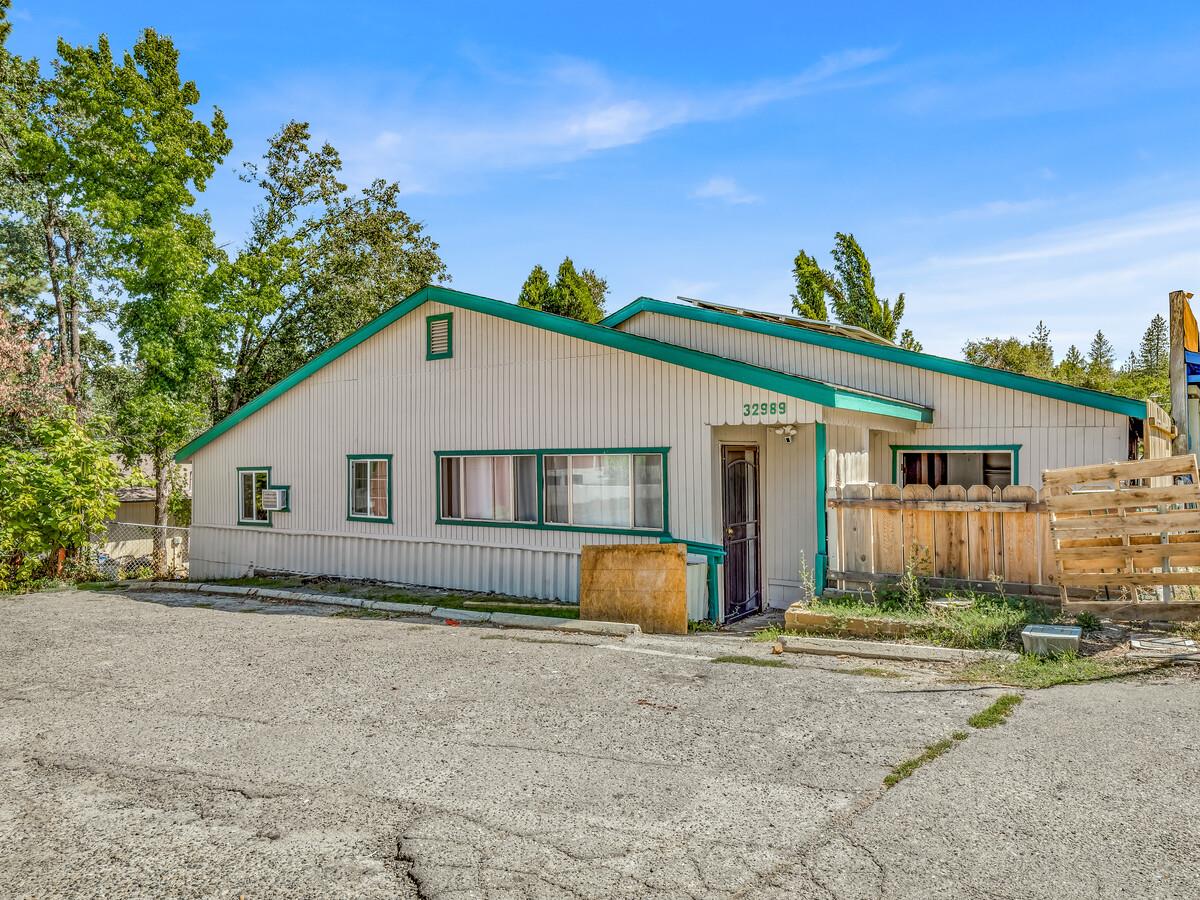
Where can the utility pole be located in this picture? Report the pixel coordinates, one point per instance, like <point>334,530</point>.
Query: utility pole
<point>1178,366</point>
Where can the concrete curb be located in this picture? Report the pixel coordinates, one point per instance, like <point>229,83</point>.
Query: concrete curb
<point>508,620</point>
<point>880,650</point>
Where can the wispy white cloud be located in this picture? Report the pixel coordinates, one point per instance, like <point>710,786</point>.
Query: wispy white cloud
<point>725,190</point>
<point>991,209</point>
<point>431,135</point>
<point>1111,274</point>
<point>990,86</point>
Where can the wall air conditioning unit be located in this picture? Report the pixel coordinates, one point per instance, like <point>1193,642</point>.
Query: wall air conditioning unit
<point>273,500</point>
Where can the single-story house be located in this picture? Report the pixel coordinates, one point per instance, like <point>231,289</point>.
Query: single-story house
<point>468,443</point>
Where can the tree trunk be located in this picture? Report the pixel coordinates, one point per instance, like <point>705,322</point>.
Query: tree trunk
<point>161,493</point>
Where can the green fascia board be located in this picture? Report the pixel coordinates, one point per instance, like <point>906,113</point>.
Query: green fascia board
<point>1124,406</point>
<point>779,382</point>
<point>1014,449</point>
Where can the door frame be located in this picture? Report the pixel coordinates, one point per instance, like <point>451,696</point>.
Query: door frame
<point>722,447</point>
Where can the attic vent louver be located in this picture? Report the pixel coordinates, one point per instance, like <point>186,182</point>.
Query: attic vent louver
<point>439,336</point>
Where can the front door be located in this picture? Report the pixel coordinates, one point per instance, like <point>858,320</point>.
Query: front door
<point>739,481</point>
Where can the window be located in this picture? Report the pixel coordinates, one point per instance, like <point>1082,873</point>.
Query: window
<point>489,488</point>
<point>251,484</point>
<point>370,488</point>
<point>605,490</point>
<point>966,467</point>
<point>439,336</point>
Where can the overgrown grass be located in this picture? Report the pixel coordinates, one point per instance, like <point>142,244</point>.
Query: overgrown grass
<point>1037,672</point>
<point>997,713</point>
<point>753,661</point>
<point>696,625</point>
<point>990,623</point>
<point>932,752</point>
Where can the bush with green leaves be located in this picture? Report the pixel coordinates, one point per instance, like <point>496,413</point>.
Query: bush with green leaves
<point>55,495</point>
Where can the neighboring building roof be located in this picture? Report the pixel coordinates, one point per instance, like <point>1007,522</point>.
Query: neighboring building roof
<point>142,494</point>
<point>830,395</point>
<point>798,330</point>
<point>135,494</point>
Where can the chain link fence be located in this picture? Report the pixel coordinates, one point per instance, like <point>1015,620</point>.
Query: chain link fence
<point>128,550</point>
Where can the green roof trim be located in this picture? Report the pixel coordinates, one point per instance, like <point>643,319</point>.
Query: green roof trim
<point>1124,406</point>
<point>818,392</point>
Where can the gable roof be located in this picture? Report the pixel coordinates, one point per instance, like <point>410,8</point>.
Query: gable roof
<point>819,392</point>
<point>1124,406</point>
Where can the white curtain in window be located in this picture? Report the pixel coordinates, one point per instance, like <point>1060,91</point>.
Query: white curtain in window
<point>478,477</point>
<point>600,490</point>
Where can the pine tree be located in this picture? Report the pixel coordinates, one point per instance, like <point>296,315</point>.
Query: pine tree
<point>574,294</point>
<point>1072,369</point>
<point>536,291</point>
<point>1154,351</point>
<point>1041,351</point>
<point>1099,372</point>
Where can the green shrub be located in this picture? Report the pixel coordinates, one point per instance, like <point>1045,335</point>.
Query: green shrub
<point>54,496</point>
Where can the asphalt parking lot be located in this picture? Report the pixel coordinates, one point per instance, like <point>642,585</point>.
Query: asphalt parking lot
<point>156,751</point>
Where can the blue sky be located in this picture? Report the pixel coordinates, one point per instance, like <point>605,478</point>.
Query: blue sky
<point>1000,163</point>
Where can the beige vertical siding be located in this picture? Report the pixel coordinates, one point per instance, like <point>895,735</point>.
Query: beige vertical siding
<point>508,387</point>
<point>1052,433</point>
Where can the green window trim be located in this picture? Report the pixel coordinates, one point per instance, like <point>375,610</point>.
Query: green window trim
<point>541,524</point>
<point>430,322</point>
<point>351,458</point>
<point>254,523</point>
<point>797,386</point>
<point>1029,384</point>
<point>1014,449</point>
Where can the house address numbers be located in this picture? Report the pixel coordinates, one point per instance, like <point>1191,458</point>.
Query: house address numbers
<point>765,409</point>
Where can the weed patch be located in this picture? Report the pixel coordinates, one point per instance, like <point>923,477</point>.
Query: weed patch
<point>872,672</point>
<point>997,713</point>
<point>1037,672</point>
<point>932,752</point>
<point>753,661</point>
<point>353,612</point>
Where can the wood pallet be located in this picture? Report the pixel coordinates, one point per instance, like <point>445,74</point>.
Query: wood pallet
<point>1128,525</point>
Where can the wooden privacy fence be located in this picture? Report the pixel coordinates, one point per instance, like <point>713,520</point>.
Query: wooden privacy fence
<point>978,535</point>
<point>1131,524</point>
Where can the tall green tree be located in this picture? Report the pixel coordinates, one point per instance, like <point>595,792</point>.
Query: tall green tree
<point>850,290</point>
<point>50,230</point>
<point>579,295</point>
<point>159,246</point>
<point>536,291</point>
<point>319,262</point>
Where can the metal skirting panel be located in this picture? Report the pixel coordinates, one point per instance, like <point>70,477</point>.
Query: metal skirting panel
<point>223,552</point>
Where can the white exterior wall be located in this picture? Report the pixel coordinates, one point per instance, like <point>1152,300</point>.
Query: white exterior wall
<point>1052,433</point>
<point>508,387</point>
